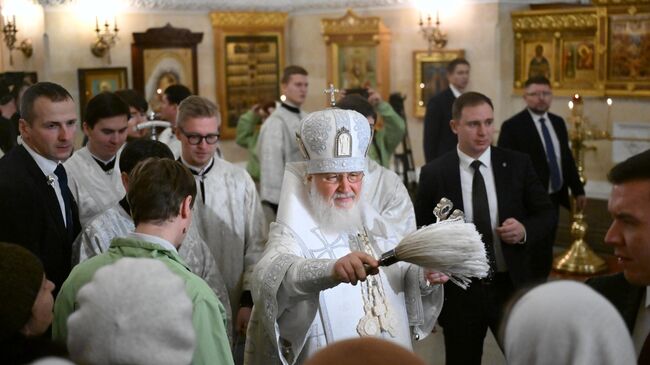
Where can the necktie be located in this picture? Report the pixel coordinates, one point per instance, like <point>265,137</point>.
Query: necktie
<point>644,356</point>
<point>481,211</point>
<point>201,176</point>
<point>67,197</point>
<point>556,178</point>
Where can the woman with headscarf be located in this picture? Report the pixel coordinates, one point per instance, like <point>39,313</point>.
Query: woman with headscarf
<point>566,322</point>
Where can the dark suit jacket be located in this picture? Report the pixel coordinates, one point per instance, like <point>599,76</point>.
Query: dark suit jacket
<point>519,194</point>
<point>438,137</point>
<point>520,134</point>
<point>623,295</point>
<point>30,215</point>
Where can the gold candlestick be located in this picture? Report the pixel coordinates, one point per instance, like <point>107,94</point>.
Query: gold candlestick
<point>580,258</point>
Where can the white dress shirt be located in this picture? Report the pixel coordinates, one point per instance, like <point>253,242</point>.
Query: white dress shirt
<point>554,140</point>
<point>48,166</point>
<point>455,91</point>
<point>466,178</point>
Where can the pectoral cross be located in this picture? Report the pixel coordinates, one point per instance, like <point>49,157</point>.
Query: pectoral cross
<point>332,91</point>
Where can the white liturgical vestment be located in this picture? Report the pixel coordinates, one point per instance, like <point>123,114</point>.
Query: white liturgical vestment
<point>230,220</point>
<point>93,188</point>
<point>299,308</point>
<point>276,146</point>
<point>387,194</point>
<point>169,138</point>
<point>96,237</point>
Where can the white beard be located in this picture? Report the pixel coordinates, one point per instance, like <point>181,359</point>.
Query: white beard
<point>331,218</point>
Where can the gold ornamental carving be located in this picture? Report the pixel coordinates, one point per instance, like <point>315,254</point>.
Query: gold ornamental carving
<point>351,23</point>
<point>248,19</point>
<point>555,21</point>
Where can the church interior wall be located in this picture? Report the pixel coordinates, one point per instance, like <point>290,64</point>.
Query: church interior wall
<point>61,39</point>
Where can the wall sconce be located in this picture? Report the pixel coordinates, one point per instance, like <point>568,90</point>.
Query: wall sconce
<point>105,40</point>
<point>9,30</point>
<point>432,33</point>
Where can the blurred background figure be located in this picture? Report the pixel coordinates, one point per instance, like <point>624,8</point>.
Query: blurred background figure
<point>138,107</point>
<point>248,131</point>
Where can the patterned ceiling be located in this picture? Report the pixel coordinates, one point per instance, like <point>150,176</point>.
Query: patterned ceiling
<point>281,5</point>
<point>248,5</point>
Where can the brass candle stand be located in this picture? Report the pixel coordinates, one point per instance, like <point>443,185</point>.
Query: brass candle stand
<point>580,258</point>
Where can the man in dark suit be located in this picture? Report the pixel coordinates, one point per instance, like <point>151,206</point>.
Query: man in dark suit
<point>438,137</point>
<point>629,234</point>
<point>37,210</point>
<point>500,193</point>
<point>531,133</point>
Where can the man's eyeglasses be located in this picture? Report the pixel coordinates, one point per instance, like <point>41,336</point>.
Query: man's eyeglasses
<point>540,94</point>
<point>352,177</point>
<point>195,139</point>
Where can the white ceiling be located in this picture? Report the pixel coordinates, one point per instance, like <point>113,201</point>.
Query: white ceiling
<point>282,5</point>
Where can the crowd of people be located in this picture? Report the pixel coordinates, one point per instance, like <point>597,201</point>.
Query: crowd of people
<point>138,251</point>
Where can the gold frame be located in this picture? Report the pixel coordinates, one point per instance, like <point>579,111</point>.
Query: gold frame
<point>114,77</point>
<point>244,24</point>
<point>440,58</point>
<point>594,26</point>
<point>559,28</point>
<point>634,11</point>
<point>351,31</point>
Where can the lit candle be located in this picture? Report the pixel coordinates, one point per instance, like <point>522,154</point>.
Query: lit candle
<point>96,24</point>
<point>14,18</point>
<point>115,22</point>
<point>609,115</point>
<point>570,104</point>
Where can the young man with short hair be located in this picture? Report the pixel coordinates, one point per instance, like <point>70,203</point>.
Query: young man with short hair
<point>228,213</point>
<point>37,209</point>
<point>500,193</point>
<point>438,137</point>
<point>161,195</point>
<point>93,171</point>
<point>171,99</point>
<point>277,141</point>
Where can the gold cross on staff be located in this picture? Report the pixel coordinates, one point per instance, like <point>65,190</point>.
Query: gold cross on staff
<point>331,90</point>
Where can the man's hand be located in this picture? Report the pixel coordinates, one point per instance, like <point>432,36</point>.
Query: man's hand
<point>435,277</point>
<point>373,97</point>
<point>581,203</point>
<point>511,231</point>
<point>350,268</point>
<point>243,316</point>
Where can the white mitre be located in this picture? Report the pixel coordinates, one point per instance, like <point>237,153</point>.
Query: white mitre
<point>334,140</point>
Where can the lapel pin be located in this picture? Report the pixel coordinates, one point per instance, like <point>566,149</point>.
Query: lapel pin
<point>50,180</point>
<point>504,164</point>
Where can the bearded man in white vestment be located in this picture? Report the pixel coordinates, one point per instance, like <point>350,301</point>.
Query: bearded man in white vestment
<point>96,236</point>
<point>228,213</point>
<point>93,171</point>
<point>324,243</point>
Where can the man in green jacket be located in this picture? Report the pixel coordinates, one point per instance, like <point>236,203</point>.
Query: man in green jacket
<point>161,194</point>
<point>385,139</point>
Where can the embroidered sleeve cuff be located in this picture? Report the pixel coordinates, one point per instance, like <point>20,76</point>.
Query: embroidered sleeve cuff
<point>315,275</point>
